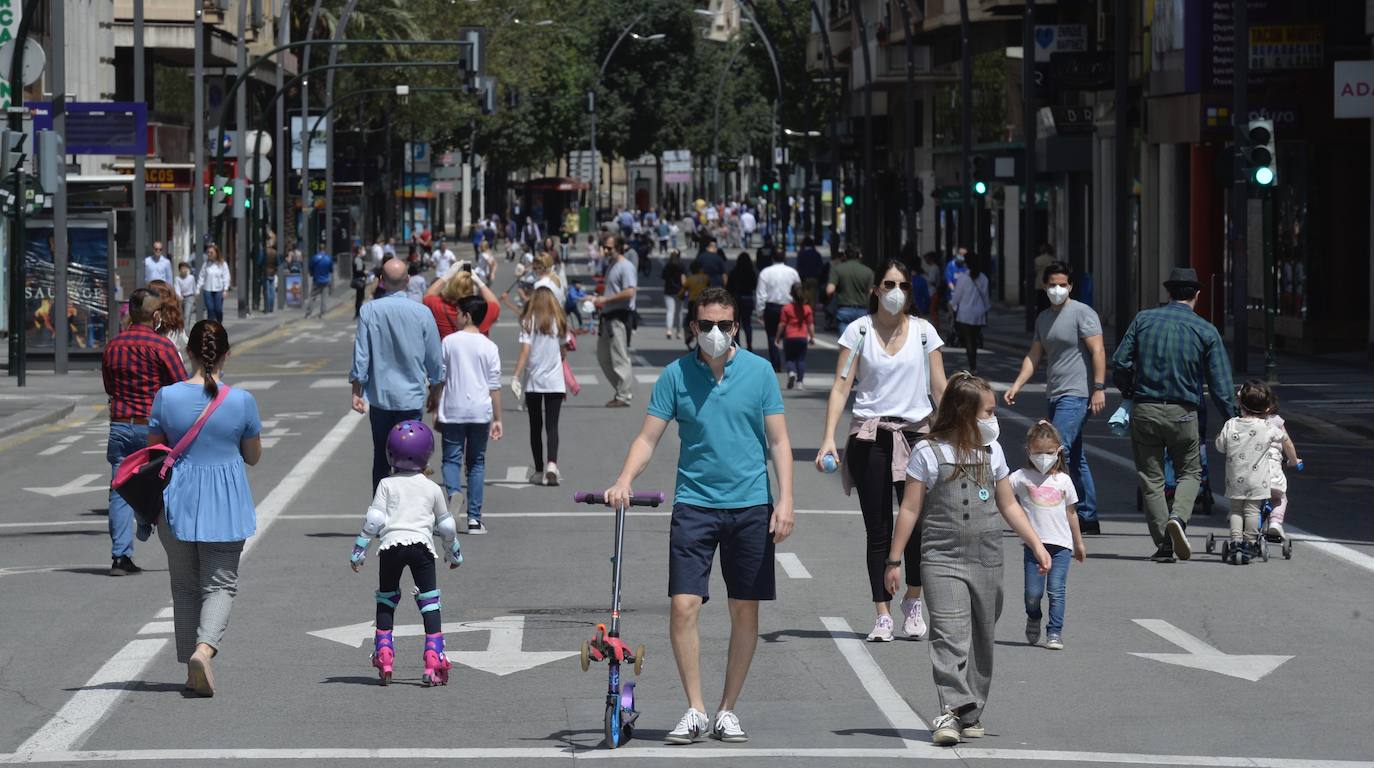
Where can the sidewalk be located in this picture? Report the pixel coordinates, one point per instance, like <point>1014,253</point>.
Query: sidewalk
<point>48,398</point>
<point>1333,396</point>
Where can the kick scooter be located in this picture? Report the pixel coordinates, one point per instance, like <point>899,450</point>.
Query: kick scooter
<point>607,645</point>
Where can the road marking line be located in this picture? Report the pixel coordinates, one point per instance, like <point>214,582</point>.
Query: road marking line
<point>1340,552</point>
<point>898,713</point>
<point>256,385</point>
<point>48,523</point>
<point>331,383</point>
<point>165,613</point>
<point>792,565</point>
<point>157,628</point>
<point>94,700</point>
<point>602,513</point>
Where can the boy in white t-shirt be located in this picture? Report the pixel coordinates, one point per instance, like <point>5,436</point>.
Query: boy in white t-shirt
<point>1046,492</point>
<point>468,405</point>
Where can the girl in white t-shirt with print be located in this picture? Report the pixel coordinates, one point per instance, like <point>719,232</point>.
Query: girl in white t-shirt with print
<point>539,371</point>
<point>1046,492</point>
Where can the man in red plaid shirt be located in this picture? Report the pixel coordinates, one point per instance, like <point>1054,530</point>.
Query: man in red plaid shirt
<point>137,363</point>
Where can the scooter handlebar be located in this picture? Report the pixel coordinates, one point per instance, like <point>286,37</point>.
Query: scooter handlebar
<point>652,499</point>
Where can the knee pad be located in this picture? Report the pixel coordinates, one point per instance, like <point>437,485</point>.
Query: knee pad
<point>427,601</point>
<point>375,522</point>
<point>447,529</point>
<point>389,599</point>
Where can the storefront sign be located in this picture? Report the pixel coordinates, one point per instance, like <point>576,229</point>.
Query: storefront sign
<point>162,179</point>
<point>88,285</point>
<point>1059,38</point>
<point>1354,95</point>
<point>10,14</point>
<point>1297,46</point>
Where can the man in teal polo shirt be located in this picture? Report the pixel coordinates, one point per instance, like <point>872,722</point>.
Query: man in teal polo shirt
<point>729,411</point>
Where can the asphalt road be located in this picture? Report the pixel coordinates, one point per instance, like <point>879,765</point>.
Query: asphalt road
<point>87,671</point>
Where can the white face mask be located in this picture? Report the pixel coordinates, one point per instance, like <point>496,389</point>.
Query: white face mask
<point>1044,461</point>
<point>1058,294</point>
<point>894,301</point>
<point>714,344</point>
<point>988,430</point>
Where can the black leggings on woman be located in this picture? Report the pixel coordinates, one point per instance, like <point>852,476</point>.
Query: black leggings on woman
<point>971,336</point>
<point>420,561</point>
<point>543,408</point>
<point>870,466</point>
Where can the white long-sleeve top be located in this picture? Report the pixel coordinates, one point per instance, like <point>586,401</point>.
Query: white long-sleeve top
<point>214,277</point>
<point>412,505</point>
<point>970,300</point>
<point>775,285</point>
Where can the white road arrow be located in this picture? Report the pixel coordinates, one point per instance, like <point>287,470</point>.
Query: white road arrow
<point>503,656</point>
<point>1200,655</point>
<point>81,484</point>
<point>516,477</point>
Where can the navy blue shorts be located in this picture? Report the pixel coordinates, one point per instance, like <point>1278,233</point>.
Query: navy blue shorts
<point>746,551</point>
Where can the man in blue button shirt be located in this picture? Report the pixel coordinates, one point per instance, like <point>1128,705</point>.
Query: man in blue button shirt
<point>321,275</point>
<point>729,411</point>
<point>396,361</point>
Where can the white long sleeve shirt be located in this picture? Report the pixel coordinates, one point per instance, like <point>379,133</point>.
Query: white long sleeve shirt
<point>157,269</point>
<point>775,285</point>
<point>214,277</point>
<point>413,505</point>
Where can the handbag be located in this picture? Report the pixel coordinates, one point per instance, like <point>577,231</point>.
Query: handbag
<point>144,474</point>
<point>570,381</point>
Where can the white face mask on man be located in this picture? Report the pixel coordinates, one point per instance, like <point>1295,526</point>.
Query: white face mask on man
<point>715,343</point>
<point>1058,294</point>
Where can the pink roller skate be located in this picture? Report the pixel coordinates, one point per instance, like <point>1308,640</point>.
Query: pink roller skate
<point>437,664</point>
<point>383,654</point>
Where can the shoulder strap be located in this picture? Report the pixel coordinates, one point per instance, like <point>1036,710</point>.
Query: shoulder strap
<point>185,442</point>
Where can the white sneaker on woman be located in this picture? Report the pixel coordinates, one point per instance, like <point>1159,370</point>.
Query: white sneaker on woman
<point>914,623</point>
<point>552,475</point>
<point>882,630</point>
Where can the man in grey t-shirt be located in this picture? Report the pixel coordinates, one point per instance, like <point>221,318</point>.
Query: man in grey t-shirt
<point>617,305</point>
<point>1069,336</point>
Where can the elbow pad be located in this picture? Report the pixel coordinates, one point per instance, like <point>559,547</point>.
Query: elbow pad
<point>447,529</point>
<point>376,521</point>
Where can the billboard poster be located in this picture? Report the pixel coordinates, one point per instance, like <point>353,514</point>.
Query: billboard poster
<point>293,290</point>
<point>318,141</point>
<point>88,285</point>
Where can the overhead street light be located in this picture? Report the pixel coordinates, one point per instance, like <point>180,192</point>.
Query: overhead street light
<point>628,31</point>
<point>647,38</point>
<point>808,134</point>
<point>540,23</point>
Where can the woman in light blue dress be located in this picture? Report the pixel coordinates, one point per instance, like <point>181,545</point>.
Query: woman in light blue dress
<point>209,506</point>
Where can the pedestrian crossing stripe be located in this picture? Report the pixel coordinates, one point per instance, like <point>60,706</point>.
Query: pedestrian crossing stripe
<point>256,385</point>
<point>331,383</point>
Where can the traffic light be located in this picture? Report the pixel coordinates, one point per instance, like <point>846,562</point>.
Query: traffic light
<point>978,174</point>
<point>770,181</point>
<point>1263,166</point>
<point>848,198</point>
<point>220,192</point>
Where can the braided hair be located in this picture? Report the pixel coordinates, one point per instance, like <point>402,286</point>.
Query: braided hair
<point>208,346</point>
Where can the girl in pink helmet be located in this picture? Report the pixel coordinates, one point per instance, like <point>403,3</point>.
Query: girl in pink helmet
<point>406,513</point>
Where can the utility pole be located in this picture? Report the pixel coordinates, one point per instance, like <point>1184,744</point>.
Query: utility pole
<point>241,144</point>
<point>282,135</point>
<point>1240,196</point>
<point>140,160</point>
<point>966,233</point>
<point>1122,160</point>
<point>60,251</point>
<point>910,96</point>
<point>1029,133</point>
<point>198,212</point>
<point>867,235</point>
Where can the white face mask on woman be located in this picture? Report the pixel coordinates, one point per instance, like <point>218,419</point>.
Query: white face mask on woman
<point>988,430</point>
<point>894,301</point>
<point>715,343</point>
<point>1058,294</point>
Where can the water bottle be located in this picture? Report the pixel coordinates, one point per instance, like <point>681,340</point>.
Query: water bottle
<point>828,463</point>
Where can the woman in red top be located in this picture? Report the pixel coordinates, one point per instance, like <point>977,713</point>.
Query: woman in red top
<point>796,331</point>
<point>443,296</point>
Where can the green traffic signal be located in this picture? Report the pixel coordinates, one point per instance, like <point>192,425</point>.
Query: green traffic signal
<point>1264,176</point>
<point>848,200</point>
<point>980,187</point>
<point>247,202</point>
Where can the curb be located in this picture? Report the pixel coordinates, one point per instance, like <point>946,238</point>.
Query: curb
<point>35,417</point>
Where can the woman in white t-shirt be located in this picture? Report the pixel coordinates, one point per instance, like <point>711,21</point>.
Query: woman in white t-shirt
<point>896,369</point>
<point>543,334</point>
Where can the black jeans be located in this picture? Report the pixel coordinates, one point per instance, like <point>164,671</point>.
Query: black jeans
<point>391,562</point>
<point>772,316</point>
<point>543,408</point>
<point>970,336</point>
<point>744,310</point>
<point>870,465</point>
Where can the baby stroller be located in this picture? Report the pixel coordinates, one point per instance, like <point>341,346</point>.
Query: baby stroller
<point>1260,549</point>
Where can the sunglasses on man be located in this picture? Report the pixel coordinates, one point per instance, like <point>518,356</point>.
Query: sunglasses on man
<point>725,326</point>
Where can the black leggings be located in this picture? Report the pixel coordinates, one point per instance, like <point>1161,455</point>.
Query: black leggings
<point>543,408</point>
<point>971,336</point>
<point>870,466</point>
<point>392,561</point>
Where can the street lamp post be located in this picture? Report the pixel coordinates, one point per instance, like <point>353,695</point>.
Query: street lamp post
<point>591,104</point>
<point>866,233</point>
<point>715,128</point>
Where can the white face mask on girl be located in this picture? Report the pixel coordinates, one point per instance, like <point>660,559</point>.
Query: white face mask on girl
<point>1044,461</point>
<point>1058,294</point>
<point>894,301</point>
<point>715,343</point>
<point>988,430</point>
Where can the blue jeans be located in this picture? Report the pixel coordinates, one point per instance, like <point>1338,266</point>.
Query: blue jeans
<point>846,315</point>
<point>124,439</point>
<point>471,438</point>
<point>1056,580</point>
<point>1069,414</point>
<point>214,305</point>
<point>382,421</point>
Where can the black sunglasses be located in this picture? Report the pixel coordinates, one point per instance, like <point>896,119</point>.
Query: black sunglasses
<point>890,284</point>
<point>725,326</point>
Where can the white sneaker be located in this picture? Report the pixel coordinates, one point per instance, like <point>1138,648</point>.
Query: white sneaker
<point>1274,531</point>
<point>945,730</point>
<point>882,630</point>
<point>914,625</point>
<point>727,728</point>
<point>534,477</point>
<point>475,527</point>
<point>551,474</point>
<point>692,728</point>
<point>800,385</point>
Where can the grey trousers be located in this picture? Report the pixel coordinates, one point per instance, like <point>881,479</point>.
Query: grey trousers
<point>205,579</point>
<point>613,353</point>
<point>1156,427</point>
<point>963,601</point>
<point>320,292</point>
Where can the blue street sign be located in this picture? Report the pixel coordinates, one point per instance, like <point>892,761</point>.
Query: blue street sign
<point>99,127</point>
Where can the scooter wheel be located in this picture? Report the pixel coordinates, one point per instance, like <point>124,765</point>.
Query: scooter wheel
<point>639,659</point>
<point>586,655</point>
<point>613,731</point>
<point>1211,543</point>
<point>1287,549</point>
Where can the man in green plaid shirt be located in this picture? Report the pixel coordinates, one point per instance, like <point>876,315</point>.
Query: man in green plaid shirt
<point>1160,364</point>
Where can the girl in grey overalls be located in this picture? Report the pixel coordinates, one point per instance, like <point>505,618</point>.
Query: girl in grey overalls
<point>957,486</point>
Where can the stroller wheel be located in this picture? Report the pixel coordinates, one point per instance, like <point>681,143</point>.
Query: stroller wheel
<point>1263,549</point>
<point>1287,549</point>
<point>586,655</point>
<point>1225,549</point>
<point>1211,543</point>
